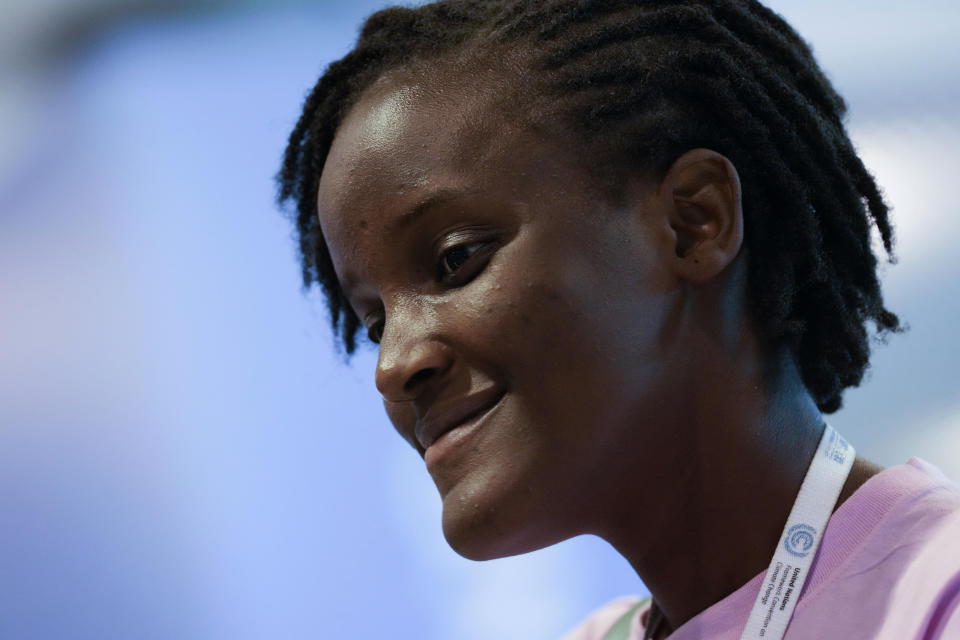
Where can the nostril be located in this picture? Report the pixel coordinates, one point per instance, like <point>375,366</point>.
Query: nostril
<point>417,379</point>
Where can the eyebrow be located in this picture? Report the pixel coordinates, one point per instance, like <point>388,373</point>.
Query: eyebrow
<point>414,213</point>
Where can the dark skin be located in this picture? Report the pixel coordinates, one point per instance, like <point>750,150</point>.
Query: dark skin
<point>634,398</point>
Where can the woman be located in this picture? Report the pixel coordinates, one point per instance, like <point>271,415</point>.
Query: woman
<point>616,256</point>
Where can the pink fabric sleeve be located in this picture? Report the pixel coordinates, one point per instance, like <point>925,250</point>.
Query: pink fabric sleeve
<point>930,585</point>
<point>944,624</point>
<point>951,629</point>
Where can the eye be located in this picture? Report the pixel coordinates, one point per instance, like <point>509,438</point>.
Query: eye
<point>454,258</point>
<point>375,332</point>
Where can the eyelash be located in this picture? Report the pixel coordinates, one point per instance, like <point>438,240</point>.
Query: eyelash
<point>448,275</point>
<point>445,275</point>
<point>375,332</point>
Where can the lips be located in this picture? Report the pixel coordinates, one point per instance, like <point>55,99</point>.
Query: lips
<point>446,415</point>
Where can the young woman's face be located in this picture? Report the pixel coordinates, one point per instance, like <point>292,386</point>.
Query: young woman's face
<point>506,292</point>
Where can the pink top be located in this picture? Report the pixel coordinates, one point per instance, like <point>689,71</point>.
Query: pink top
<point>888,568</point>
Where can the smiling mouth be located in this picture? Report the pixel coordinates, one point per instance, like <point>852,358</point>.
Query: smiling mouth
<point>452,413</point>
<point>472,416</point>
<point>451,438</point>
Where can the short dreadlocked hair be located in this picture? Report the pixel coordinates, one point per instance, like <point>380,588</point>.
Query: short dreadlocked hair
<point>644,81</point>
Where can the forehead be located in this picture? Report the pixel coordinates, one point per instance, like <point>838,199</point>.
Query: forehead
<point>399,142</point>
<point>405,134</point>
<point>406,140</point>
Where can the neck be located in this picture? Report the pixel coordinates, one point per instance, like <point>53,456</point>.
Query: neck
<point>728,489</point>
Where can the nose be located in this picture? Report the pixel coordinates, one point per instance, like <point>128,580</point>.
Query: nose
<point>410,357</point>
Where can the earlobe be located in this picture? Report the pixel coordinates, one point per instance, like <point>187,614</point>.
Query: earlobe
<point>705,213</point>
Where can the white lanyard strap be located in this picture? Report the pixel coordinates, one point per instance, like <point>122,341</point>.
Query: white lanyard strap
<point>790,567</point>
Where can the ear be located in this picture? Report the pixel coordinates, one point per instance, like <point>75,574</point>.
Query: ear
<point>701,195</point>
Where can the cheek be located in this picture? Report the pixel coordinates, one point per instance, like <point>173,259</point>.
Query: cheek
<point>562,322</point>
<point>570,318</point>
<point>508,315</point>
<point>582,341</point>
<point>538,332</point>
<point>553,326</point>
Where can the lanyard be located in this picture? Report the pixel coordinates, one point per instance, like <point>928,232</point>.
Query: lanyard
<point>798,544</point>
<point>790,566</point>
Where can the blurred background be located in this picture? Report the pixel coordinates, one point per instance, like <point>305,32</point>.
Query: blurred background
<point>182,453</point>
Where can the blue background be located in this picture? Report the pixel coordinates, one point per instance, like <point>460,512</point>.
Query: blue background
<point>183,454</point>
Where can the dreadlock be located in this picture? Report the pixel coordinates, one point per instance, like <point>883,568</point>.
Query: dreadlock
<point>644,81</point>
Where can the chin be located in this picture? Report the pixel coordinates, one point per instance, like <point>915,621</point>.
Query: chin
<point>487,534</point>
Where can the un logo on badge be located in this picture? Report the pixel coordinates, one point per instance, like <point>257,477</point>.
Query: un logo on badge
<point>799,539</point>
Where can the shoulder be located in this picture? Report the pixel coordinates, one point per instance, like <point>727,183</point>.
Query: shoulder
<point>950,626</point>
<point>931,585</point>
<point>600,621</point>
<point>889,566</point>
<point>925,602</point>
